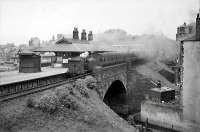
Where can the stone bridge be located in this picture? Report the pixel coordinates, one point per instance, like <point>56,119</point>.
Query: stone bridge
<point>112,76</point>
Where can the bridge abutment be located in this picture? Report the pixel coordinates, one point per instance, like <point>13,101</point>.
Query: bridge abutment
<point>107,75</point>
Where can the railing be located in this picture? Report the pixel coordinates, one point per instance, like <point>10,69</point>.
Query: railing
<point>18,89</point>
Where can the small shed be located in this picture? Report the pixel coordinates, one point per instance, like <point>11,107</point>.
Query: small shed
<point>29,62</point>
<point>165,94</point>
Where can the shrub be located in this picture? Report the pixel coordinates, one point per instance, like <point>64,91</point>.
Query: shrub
<point>71,90</point>
<point>48,102</point>
<point>63,91</point>
<point>91,82</point>
<point>69,102</point>
<point>80,85</point>
<point>30,103</point>
<point>63,94</point>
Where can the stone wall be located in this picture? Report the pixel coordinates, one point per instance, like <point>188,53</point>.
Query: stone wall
<point>164,115</point>
<point>107,75</point>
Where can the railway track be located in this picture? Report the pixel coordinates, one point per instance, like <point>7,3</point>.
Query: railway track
<point>11,91</point>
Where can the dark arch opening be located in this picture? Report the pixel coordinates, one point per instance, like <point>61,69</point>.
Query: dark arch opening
<point>115,98</point>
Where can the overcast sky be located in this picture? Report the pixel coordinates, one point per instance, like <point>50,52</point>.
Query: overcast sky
<point>22,19</point>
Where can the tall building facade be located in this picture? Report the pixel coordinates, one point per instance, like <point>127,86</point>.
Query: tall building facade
<point>188,69</point>
<point>185,32</point>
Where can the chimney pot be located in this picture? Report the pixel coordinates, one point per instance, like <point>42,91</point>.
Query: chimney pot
<point>75,33</point>
<point>90,36</point>
<point>83,35</point>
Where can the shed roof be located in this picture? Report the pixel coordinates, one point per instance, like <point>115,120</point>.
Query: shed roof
<point>27,52</point>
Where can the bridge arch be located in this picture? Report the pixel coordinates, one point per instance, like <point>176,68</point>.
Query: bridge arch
<point>115,94</point>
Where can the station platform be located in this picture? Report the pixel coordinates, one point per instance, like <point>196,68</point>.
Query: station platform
<point>14,76</point>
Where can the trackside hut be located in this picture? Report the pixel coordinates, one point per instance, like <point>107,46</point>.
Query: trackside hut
<point>29,62</point>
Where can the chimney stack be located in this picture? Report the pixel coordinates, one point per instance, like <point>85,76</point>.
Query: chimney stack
<point>83,35</point>
<point>198,27</point>
<point>90,36</point>
<point>75,34</point>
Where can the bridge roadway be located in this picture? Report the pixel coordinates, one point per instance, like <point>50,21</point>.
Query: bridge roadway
<point>14,84</point>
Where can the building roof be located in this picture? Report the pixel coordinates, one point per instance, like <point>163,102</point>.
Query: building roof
<point>66,48</point>
<point>27,52</point>
<point>162,89</point>
<point>65,40</point>
<point>79,41</point>
<point>67,45</point>
<point>72,45</point>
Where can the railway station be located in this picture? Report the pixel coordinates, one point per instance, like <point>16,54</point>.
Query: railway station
<point>70,47</point>
<point>111,73</point>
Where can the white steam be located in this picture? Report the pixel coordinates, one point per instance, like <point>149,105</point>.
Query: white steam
<point>152,47</point>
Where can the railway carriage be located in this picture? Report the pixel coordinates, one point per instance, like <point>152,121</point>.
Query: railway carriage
<point>79,65</point>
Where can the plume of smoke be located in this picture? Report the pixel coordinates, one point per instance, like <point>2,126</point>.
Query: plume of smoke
<point>156,47</point>
<point>112,36</point>
<point>192,15</point>
<point>191,81</point>
<point>152,47</point>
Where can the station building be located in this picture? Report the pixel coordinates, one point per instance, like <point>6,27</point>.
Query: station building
<point>70,47</point>
<point>65,48</point>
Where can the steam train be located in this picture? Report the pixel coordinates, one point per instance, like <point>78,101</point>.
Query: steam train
<point>81,65</point>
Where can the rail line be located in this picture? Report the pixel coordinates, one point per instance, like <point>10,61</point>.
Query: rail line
<point>18,89</point>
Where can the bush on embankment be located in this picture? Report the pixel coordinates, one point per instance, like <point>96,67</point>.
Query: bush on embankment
<point>48,102</point>
<point>91,82</point>
<point>63,96</point>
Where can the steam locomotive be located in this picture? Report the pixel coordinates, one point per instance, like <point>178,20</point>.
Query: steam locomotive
<point>81,65</point>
